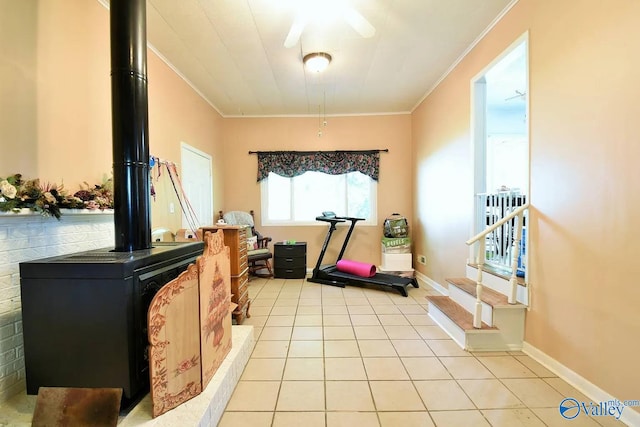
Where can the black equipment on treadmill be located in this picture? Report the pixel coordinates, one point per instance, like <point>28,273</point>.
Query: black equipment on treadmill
<point>329,274</point>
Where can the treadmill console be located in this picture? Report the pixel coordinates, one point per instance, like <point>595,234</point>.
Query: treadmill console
<point>328,216</point>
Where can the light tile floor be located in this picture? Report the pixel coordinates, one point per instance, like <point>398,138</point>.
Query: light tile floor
<point>328,356</point>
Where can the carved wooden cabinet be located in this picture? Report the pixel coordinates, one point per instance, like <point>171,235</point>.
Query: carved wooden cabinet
<point>235,237</point>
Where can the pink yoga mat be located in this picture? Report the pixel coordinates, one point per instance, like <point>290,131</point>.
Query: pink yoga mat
<point>356,268</point>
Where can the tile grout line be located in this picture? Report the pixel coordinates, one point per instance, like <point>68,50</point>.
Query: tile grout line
<point>398,356</point>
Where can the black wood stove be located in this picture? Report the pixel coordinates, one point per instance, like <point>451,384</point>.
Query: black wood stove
<point>84,315</point>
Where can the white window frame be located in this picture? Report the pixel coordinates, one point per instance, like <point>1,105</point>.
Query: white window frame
<point>265,221</point>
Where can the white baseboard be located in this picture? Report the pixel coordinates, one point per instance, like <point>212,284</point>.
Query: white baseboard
<point>629,416</point>
<point>435,285</point>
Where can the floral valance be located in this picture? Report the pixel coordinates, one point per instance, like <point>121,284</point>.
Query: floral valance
<point>294,163</point>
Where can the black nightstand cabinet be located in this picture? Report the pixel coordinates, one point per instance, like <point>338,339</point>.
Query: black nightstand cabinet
<point>290,260</point>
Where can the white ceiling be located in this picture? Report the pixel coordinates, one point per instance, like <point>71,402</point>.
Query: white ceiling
<point>232,52</point>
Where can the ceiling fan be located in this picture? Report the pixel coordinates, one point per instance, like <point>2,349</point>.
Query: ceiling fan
<point>334,9</point>
<point>518,94</point>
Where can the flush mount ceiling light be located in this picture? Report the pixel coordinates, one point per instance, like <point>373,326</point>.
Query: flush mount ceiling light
<point>316,62</point>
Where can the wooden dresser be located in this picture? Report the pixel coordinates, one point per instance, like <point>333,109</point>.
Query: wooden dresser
<point>236,238</point>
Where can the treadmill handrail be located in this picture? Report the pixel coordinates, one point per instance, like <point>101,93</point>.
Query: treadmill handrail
<point>333,220</point>
<point>351,218</point>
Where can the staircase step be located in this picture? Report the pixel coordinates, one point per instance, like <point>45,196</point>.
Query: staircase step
<point>457,313</point>
<point>499,273</point>
<point>489,296</point>
<point>499,283</point>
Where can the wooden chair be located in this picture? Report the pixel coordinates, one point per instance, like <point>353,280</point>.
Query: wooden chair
<point>259,257</point>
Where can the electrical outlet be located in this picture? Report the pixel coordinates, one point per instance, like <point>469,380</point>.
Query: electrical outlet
<point>422,259</point>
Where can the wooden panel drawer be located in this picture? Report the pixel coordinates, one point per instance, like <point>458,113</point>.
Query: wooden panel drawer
<point>242,237</point>
<point>239,285</point>
<point>243,260</point>
<point>243,299</point>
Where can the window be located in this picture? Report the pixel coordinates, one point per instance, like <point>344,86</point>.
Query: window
<point>298,200</point>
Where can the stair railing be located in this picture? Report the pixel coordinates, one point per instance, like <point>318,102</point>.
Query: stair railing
<point>491,207</point>
<point>480,259</point>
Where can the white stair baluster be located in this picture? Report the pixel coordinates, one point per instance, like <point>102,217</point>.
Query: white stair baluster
<point>477,315</point>
<point>515,251</point>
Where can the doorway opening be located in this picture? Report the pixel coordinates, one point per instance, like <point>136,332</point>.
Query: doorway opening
<point>500,127</point>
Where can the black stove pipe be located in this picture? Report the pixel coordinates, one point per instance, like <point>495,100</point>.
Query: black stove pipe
<point>130,125</point>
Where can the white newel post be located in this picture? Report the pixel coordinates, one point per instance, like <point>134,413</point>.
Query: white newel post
<point>515,252</point>
<point>477,315</point>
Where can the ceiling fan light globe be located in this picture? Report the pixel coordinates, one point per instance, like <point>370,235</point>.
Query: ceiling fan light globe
<point>316,62</point>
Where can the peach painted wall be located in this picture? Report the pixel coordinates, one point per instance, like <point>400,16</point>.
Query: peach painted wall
<point>178,114</point>
<point>342,133</point>
<point>585,190</point>
<point>56,102</point>
<point>18,58</point>
<point>443,202</point>
<point>73,93</point>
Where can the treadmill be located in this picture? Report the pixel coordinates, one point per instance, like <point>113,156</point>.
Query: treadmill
<point>329,274</point>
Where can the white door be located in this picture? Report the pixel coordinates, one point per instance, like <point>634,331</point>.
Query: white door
<point>197,177</point>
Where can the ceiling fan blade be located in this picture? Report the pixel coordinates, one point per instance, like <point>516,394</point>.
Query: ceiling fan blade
<point>295,32</point>
<point>359,23</point>
<point>518,94</point>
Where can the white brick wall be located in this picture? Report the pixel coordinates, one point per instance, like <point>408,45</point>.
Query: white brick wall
<point>25,237</point>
